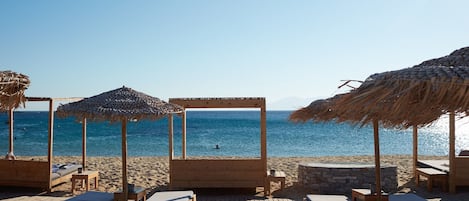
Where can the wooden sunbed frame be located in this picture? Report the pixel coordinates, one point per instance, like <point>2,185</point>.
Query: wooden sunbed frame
<point>35,174</point>
<point>217,173</point>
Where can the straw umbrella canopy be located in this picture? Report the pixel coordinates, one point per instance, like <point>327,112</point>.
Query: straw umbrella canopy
<point>328,110</point>
<point>418,95</point>
<point>122,104</point>
<point>12,87</point>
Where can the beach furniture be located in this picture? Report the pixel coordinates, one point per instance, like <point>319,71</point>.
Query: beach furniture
<point>135,193</point>
<point>33,173</point>
<point>173,196</point>
<point>366,195</point>
<point>313,197</point>
<point>93,196</point>
<point>85,177</point>
<point>218,173</point>
<point>432,175</point>
<point>274,176</point>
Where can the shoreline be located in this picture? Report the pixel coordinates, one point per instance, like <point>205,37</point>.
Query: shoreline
<point>153,172</point>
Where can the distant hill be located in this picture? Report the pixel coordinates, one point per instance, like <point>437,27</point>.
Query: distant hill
<point>290,103</point>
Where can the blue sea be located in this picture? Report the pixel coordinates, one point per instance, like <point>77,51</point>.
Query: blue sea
<point>236,132</point>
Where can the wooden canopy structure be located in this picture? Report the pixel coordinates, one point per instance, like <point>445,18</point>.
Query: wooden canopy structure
<point>28,173</point>
<point>217,173</point>
<point>122,104</point>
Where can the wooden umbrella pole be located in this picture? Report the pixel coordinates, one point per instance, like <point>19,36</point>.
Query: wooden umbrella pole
<point>415,150</point>
<point>452,154</point>
<point>10,116</point>
<point>377,161</point>
<point>124,160</point>
<point>83,145</point>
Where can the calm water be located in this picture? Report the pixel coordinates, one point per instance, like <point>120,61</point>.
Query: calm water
<point>236,132</point>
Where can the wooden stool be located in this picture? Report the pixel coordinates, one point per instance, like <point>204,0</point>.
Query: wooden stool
<point>432,175</point>
<point>365,195</point>
<point>277,176</point>
<point>85,176</point>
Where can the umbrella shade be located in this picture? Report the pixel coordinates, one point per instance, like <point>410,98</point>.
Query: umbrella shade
<point>118,104</point>
<point>12,87</point>
<point>121,104</point>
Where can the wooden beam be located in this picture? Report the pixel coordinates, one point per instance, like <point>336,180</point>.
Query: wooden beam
<point>124,159</point>
<point>452,154</point>
<point>83,146</point>
<point>251,102</point>
<point>10,123</point>
<point>377,159</point>
<point>51,139</point>
<point>184,135</point>
<point>415,149</point>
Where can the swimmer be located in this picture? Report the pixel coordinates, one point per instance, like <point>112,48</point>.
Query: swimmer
<point>217,147</point>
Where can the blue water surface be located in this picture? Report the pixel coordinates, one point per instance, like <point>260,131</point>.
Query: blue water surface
<point>236,132</point>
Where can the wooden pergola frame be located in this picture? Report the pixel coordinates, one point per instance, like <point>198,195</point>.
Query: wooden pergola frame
<point>31,173</point>
<point>235,173</point>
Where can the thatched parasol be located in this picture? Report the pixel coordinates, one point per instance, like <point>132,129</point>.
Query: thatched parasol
<point>12,87</point>
<point>122,104</point>
<point>417,96</point>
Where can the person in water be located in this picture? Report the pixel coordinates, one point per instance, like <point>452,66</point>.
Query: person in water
<point>217,147</point>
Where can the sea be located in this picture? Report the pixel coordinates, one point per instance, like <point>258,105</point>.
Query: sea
<point>236,132</point>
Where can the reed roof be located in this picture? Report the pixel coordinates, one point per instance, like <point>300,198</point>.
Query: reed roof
<point>12,87</point>
<point>418,95</point>
<point>116,105</point>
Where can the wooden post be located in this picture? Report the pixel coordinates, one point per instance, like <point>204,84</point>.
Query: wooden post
<point>50,140</point>
<point>124,160</point>
<point>10,123</point>
<point>377,159</point>
<point>415,149</point>
<point>452,154</point>
<point>184,134</point>
<point>83,146</point>
<point>170,146</point>
<point>263,136</point>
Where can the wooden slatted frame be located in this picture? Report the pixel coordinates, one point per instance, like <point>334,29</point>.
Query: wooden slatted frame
<point>218,173</point>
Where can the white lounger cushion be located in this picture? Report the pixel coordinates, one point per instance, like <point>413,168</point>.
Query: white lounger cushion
<point>326,197</point>
<point>172,196</point>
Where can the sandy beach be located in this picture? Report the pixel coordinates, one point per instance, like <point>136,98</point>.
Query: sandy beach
<point>152,173</point>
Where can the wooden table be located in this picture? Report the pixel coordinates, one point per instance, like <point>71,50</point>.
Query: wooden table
<point>85,176</point>
<point>277,176</point>
<point>365,195</point>
<point>432,175</point>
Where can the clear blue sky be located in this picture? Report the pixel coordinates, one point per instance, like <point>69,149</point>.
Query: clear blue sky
<point>174,48</point>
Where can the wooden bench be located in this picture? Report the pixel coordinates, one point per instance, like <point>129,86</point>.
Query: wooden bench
<point>432,175</point>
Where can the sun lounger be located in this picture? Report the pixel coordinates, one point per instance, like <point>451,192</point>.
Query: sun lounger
<point>405,197</point>
<point>312,197</point>
<point>173,196</point>
<point>95,196</point>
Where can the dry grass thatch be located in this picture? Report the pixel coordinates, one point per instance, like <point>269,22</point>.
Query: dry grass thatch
<point>12,87</point>
<point>412,96</point>
<point>116,105</point>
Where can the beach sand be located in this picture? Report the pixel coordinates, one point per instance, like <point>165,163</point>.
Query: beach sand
<point>152,173</point>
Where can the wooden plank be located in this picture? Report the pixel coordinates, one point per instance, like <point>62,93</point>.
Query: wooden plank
<point>24,173</point>
<point>452,154</point>
<point>237,173</point>
<point>251,102</point>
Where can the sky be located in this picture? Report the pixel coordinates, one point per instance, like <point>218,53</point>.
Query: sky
<point>290,52</point>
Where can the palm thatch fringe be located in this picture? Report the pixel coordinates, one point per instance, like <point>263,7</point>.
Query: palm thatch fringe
<point>12,87</point>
